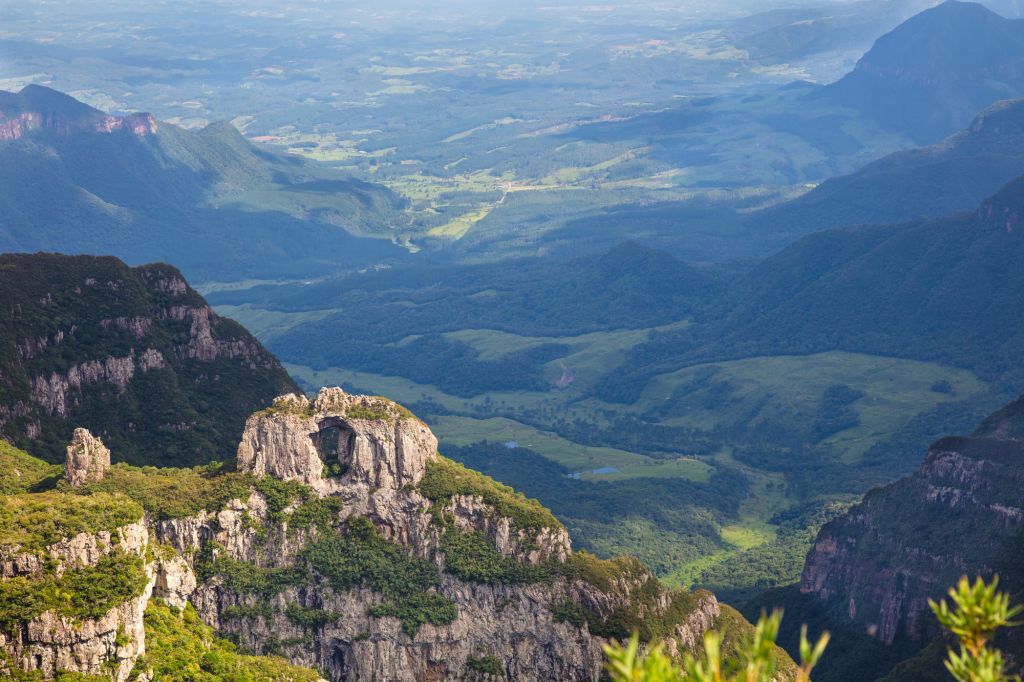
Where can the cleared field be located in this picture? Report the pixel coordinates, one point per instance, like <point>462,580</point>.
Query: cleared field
<point>894,391</point>
<point>457,228</point>
<point>575,457</point>
<point>739,537</point>
<point>590,355</point>
<point>689,468</point>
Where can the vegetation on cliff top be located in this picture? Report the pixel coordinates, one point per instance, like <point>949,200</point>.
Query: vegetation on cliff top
<point>445,479</point>
<point>175,493</point>
<point>366,407</point>
<point>33,521</point>
<point>180,648</point>
<point>21,472</point>
<point>82,593</point>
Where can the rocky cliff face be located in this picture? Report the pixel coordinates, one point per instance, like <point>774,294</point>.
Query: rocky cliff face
<point>40,109</point>
<point>369,457</point>
<point>344,542</point>
<point>135,355</point>
<point>961,512</point>
<point>51,642</point>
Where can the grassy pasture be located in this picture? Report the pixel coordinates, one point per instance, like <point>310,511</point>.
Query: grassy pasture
<point>895,390</point>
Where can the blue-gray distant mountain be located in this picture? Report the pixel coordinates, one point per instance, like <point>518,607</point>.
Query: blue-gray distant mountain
<point>953,175</point>
<point>932,73</point>
<point>76,180</point>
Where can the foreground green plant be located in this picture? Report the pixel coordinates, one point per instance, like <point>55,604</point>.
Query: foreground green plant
<point>181,648</point>
<point>756,658</point>
<point>979,611</point>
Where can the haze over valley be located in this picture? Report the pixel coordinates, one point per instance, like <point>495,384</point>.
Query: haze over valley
<point>696,276</point>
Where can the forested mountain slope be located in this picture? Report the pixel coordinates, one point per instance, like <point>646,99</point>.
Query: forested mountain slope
<point>134,354</point>
<point>933,181</point>
<point>871,572</point>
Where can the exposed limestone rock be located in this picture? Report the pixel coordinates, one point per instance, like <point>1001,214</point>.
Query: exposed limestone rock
<point>362,458</point>
<point>107,646</point>
<point>54,392</point>
<point>175,581</point>
<point>368,454</point>
<point>88,459</point>
<point>471,513</point>
<point>371,441</point>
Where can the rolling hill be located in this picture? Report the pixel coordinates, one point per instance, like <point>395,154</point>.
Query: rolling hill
<point>945,290</point>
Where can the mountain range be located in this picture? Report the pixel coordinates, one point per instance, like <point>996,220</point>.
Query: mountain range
<point>931,74</point>
<point>929,182</point>
<point>936,289</point>
<point>78,180</point>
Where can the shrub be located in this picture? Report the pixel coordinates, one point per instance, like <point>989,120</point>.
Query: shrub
<point>472,557</point>
<point>34,521</point>
<point>180,648</point>
<point>444,479</point>
<point>362,556</point>
<point>310,618</point>
<point>82,593</point>
<point>174,493</point>
<point>486,665</point>
<point>358,556</point>
<point>417,609</point>
<point>756,658</point>
<point>979,611</point>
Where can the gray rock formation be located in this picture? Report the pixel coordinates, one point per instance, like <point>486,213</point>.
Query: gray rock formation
<point>370,441</point>
<point>107,646</point>
<point>322,470</point>
<point>88,459</point>
<point>369,455</point>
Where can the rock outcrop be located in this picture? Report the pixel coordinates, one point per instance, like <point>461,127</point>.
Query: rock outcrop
<point>37,108</point>
<point>369,458</point>
<point>961,512</point>
<point>88,459</point>
<point>108,645</point>
<point>370,441</point>
<point>351,546</point>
